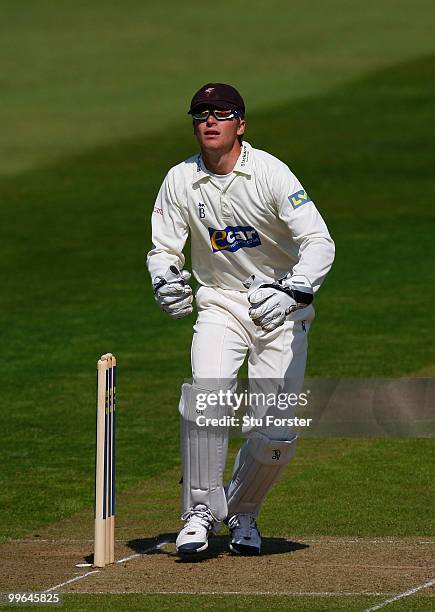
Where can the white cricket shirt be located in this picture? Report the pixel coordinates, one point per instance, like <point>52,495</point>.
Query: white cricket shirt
<point>261,222</point>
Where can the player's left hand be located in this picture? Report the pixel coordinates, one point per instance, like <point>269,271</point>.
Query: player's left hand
<point>271,303</point>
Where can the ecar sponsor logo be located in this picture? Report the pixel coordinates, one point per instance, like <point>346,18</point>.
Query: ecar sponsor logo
<point>233,238</point>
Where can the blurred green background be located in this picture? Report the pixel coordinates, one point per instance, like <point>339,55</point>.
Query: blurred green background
<point>93,113</point>
<point>82,74</point>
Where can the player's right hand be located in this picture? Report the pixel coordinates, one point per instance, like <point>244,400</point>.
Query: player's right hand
<point>173,294</point>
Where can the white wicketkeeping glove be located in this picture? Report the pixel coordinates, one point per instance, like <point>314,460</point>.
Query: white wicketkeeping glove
<point>271,303</point>
<point>173,294</point>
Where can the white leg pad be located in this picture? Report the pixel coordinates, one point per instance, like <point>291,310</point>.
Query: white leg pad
<point>257,467</point>
<point>204,453</point>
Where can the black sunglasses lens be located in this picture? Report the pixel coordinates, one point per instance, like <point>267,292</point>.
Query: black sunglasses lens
<point>223,114</point>
<point>201,115</point>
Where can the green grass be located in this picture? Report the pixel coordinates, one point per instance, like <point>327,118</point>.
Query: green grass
<point>74,237</point>
<point>76,75</point>
<point>242,602</point>
<point>355,487</point>
<point>91,117</point>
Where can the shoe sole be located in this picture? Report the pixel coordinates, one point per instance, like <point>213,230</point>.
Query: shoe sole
<point>246,551</point>
<point>191,552</point>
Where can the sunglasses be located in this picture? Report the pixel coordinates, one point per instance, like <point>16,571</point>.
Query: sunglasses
<point>220,115</point>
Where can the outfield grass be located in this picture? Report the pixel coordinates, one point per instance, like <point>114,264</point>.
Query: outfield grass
<point>75,285</point>
<point>186,602</point>
<point>91,122</point>
<point>77,75</point>
<point>222,602</point>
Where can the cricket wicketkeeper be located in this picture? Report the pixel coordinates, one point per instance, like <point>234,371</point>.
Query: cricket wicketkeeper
<point>260,251</point>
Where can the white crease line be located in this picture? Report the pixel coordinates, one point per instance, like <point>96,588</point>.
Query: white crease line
<point>58,586</point>
<point>51,541</point>
<point>131,557</point>
<point>97,571</point>
<point>363,541</point>
<point>405,594</point>
<point>243,593</point>
<point>145,552</point>
<point>289,538</point>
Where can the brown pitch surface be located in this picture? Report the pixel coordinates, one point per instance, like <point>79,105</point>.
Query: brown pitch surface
<point>289,564</point>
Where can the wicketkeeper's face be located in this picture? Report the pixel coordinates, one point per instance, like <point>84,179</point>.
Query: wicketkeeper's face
<point>216,135</point>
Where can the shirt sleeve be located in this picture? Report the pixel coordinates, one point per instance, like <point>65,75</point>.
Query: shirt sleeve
<point>169,231</point>
<point>307,228</point>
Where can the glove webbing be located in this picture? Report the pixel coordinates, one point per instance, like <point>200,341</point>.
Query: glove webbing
<point>300,297</point>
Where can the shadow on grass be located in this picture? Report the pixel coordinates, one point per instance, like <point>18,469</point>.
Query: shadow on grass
<point>218,546</point>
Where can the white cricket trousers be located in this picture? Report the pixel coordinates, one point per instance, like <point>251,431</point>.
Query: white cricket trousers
<point>224,333</point>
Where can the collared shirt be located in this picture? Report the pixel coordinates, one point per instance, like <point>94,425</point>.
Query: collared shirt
<point>261,222</point>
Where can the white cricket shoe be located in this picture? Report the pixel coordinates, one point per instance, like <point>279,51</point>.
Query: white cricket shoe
<point>244,535</point>
<point>193,538</point>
